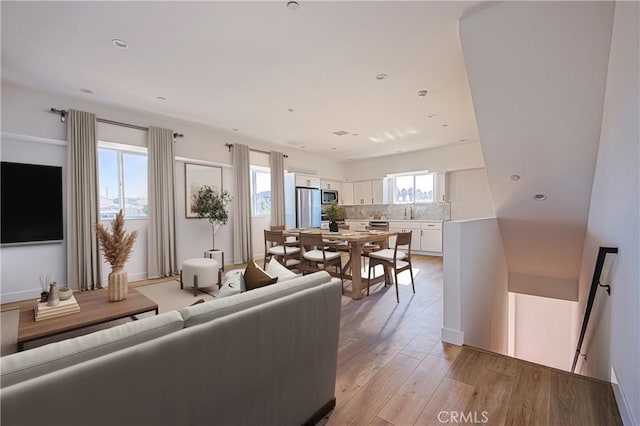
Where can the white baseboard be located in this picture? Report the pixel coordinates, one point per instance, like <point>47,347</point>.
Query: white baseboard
<point>455,337</point>
<point>621,400</point>
<point>18,296</point>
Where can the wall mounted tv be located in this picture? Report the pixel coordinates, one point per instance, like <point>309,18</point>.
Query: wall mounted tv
<point>31,203</point>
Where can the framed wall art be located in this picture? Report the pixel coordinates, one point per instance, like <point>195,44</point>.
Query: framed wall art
<point>195,177</point>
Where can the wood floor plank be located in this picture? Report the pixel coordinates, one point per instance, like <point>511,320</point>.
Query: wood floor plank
<point>529,403</point>
<point>413,396</point>
<point>451,396</point>
<point>446,350</point>
<point>365,404</point>
<point>379,422</point>
<point>490,399</point>
<point>467,366</point>
<point>355,377</point>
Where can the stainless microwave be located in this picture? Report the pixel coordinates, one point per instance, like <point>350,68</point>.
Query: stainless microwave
<point>329,195</point>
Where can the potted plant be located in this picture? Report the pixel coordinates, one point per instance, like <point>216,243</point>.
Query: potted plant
<point>116,247</point>
<point>333,213</point>
<point>211,204</point>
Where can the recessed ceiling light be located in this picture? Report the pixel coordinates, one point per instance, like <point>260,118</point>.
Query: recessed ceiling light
<point>463,140</point>
<point>333,149</point>
<point>540,197</point>
<point>302,146</point>
<point>381,76</point>
<point>340,133</point>
<point>234,129</point>
<point>399,151</point>
<point>515,177</point>
<point>162,98</point>
<point>293,5</point>
<point>431,115</point>
<point>86,90</point>
<point>445,125</point>
<point>120,43</point>
<point>354,134</point>
<point>422,93</point>
<point>290,109</point>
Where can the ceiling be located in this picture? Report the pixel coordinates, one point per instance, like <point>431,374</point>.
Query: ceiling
<point>245,65</point>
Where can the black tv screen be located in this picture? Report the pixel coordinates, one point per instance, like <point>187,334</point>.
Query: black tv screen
<point>31,209</point>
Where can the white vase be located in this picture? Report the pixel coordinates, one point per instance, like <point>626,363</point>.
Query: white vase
<point>117,285</point>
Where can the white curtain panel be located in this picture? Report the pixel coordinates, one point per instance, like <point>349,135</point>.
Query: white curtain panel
<point>83,265</point>
<point>241,204</point>
<point>162,225</point>
<point>277,188</point>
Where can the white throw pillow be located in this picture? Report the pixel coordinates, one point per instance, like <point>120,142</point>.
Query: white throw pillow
<point>276,269</point>
<point>233,284</point>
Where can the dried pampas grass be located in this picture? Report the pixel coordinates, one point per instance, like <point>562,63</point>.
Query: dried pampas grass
<point>117,244</point>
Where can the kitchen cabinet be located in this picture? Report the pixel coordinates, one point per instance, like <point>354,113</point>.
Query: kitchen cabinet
<point>362,193</point>
<point>308,181</point>
<point>345,197</point>
<point>442,183</point>
<point>431,237</point>
<point>368,192</point>
<point>330,185</point>
<point>426,236</point>
<point>377,192</point>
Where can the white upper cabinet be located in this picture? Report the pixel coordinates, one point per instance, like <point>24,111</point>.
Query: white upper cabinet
<point>377,192</point>
<point>345,197</point>
<point>330,185</point>
<point>362,193</point>
<point>308,181</point>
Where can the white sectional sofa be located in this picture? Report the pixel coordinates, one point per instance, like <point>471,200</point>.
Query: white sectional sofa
<point>264,357</point>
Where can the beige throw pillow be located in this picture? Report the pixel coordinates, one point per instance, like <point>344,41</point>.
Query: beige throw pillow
<point>256,277</point>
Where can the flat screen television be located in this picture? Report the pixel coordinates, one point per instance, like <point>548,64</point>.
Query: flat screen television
<point>31,203</point>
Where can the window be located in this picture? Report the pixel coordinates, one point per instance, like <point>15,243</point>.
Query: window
<point>122,181</point>
<point>260,191</point>
<point>418,188</point>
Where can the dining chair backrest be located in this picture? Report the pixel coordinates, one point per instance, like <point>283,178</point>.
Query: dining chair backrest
<point>277,227</point>
<point>403,239</point>
<point>311,240</point>
<point>272,239</point>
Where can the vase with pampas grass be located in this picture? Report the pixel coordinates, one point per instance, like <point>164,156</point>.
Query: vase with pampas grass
<point>116,247</point>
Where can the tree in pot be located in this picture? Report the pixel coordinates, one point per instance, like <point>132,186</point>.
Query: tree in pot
<point>333,213</point>
<point>211,204</point>
<point>116,247</point>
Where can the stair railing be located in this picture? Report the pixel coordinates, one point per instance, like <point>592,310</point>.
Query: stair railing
<point>595,283</point>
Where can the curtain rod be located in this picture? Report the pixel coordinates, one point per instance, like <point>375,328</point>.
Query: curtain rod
<point>63,115</point>
<point>230,145</point>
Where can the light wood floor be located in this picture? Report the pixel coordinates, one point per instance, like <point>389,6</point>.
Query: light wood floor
<point>393,370</point>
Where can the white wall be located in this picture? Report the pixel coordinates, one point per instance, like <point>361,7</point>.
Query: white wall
<point>25,112</point>
<point>543,330</point>
<point>613,341</point>
<point>469,194</point>
<point>442,159</point>
<point>475,285</point>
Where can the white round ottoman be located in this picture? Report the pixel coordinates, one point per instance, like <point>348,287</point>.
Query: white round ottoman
<point>199,272</point>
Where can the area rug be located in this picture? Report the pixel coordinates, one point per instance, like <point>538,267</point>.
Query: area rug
<point>167,295</point>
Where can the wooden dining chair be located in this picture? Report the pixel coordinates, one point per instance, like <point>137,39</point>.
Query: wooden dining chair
<point>313,252</point>
<point>275,246</point>
<point>371,247</point>
<point>398,258</point>
<point>288,241</point>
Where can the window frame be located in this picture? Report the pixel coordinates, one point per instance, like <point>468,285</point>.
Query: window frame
<point>413,176</point>
<point>121,150</point>
<point>253,171</point>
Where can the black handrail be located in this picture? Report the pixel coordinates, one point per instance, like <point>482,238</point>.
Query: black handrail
<point>602,253</point>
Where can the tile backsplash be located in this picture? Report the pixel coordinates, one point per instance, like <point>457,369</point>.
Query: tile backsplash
<point>430,211</point>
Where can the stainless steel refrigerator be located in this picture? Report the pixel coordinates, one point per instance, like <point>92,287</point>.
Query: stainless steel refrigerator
<point>308,208</point>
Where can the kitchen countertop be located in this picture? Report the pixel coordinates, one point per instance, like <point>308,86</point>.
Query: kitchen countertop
<point>395,220</point>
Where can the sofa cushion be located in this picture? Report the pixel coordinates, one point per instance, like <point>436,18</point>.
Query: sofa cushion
<point>36,362</point>
<point>204,312</point>
<point>256,277</point>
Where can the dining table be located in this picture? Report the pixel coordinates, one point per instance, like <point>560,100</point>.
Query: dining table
<point>356,241</point>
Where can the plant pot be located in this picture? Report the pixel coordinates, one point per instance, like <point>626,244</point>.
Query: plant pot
<point>333,226</point>
<point>117,285</point>
<point>44,296</point>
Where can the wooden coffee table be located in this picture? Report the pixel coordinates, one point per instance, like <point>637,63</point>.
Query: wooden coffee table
<point>95,308</point>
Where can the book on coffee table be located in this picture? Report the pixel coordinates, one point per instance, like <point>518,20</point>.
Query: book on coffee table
<point>65,307</point>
